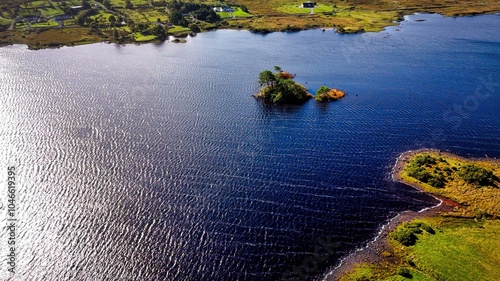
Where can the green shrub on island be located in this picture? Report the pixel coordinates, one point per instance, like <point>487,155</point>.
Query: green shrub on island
<point>324,93</point>
<point>280,88</point>
<point>473,174</point>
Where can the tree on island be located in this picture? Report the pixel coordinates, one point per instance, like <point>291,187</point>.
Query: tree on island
<point>280,88</point>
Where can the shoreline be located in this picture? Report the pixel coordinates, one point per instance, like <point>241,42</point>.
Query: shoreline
<point>372,251</point>
<point>176,37</point>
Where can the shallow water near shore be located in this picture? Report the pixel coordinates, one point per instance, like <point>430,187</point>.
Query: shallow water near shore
<point>153,162</point>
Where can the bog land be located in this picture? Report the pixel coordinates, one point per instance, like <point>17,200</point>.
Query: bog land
<point>452,241</point>
<point>53,23</point>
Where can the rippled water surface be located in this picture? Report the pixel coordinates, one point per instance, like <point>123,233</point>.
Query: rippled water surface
<point>154,162</point>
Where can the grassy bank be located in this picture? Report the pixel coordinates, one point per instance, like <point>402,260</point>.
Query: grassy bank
<point>133,16</point>
<point>453,245</point>
<point>460,249</point>
<point>465,181</point>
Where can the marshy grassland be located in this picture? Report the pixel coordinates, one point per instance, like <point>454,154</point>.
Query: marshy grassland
<point>456,244</point>
<point>121,20</point>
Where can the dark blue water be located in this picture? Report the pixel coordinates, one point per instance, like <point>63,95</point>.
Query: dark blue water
<point>154,162</point>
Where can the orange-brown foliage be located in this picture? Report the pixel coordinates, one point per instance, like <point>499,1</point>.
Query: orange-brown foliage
<point>335,94</point>
<point>285,75</point>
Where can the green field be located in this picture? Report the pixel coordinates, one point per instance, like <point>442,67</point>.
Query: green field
<point>239,13</point>
<point>4,22</point>
<point>224,15</point>
<point>139,2</point>
<point>135,3</point>
<point>178,29</point>
<point>69,22</point>
<point>154,15</point>
<point>135,15</point>
<point>49,23</point>
<point>143,38</point>
<point>460,252</point>
<point>39,4</point>
<point>455,246</point>
<point>297,9</point>
<point>117,3</point>
<point>50,12</point>
<point>102,17</point>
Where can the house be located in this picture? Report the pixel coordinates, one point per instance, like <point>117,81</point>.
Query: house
<point>223,9</point>
<point>308,4</point>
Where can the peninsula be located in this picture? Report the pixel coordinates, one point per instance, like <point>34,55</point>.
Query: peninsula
<point>54,23</point>
<point>451,241</point>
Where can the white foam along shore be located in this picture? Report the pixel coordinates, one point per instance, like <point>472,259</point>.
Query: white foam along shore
<point>369,251</point>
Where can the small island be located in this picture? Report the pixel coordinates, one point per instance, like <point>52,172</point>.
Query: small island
<point>454,240</point>
<point>326,94</point>
<point>280,88</point>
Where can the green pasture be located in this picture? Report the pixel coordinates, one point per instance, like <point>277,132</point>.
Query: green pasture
<point>117,3</point>
<point>39,4</point>
<point>51,12</point>
<point>297,9</point>
<point>139,2</point>
<point>460,252</point>
<point>49,23</point>
<point>224,15</point>
<point>4,21</point>
<point>239,13</point>
<point>153,15</point>
<point>143,38</point>
<point>69,22</point>
<point>135,3</point>
<point>101,17</point>
<point>178,29</point>
<point>135,15</point>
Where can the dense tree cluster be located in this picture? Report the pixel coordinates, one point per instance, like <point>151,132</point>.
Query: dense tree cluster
<point>179,9</point>
<point>425,168</point>
<point>416,170</point>
<point>281,88</point>
<point>473,174</point>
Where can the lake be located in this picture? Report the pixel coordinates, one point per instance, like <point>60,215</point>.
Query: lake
<point>153,162</point>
